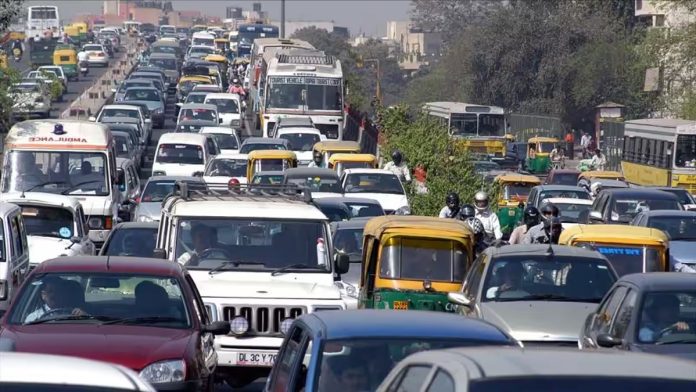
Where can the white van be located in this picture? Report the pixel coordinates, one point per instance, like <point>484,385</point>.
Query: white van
<point>66,157</point>
<point>229,107</point>
<point>55,225</point>
<point>14,253</point>
<point>181,154</point>
<point>203,39</point>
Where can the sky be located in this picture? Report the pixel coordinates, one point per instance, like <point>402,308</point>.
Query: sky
<point>360,16</point>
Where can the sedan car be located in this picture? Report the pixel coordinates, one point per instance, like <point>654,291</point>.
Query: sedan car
<point>96,55</point>
<point>353,350</point>
<point>128,83</point>
<point>150,96</point>
<point>540,294</point>
<point>680,227</point>
<point>58,71</point>
<point>622,205</point>
<point>29,100</point>
<point>571,211</point>
<point>134,239</point>
<point>156,189</point>
<point>649,312</point>
<point>143,314</point>
<point>488,369</point>
<point>381,185</point>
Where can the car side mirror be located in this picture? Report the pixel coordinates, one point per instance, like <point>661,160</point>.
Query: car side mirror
<point>342,263</point>
<point>608,341</point>
<point>595,216</point>
<point>459,299</point>
<point>92,118</point>
<point>198,174</point>
<point>159,253</point>
<point>75,239</point>
<point>120,177</point>
<point>217,328</point>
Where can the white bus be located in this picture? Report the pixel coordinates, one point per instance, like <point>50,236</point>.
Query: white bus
<point>481,127</point>
<point>304,83</point>
<point>41,18</point>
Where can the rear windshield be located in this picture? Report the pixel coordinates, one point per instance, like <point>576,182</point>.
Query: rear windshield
<point>225,141</point>
<point>121,143</point>
<point>203,41</point>
<point>247,148</point>
<point>142,95</point>
<point>120,113</point>
<point>224,105</point>
<point>164,63</point>
<point>180,153</point>
<point>197,114</point>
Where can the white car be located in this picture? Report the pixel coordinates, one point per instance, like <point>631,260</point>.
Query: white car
<point>125,110</point>
<point>29,100</point>
<point>63,373</point>
<point>226,170</point>
<point>571,210</point>
<point>56,70</point>
<point>226,138</point>
<point>229,108</point>
<point>181,154</point>
<point>96,55</point>
<point>381,185</point>
<point>301,141</point>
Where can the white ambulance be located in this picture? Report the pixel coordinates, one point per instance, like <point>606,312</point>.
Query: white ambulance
<point>66,157</point>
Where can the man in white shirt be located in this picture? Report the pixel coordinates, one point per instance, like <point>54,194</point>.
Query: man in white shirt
<point>598,161</point>
<point>317,160</point>
<point>398,167</point>
<point>202,238</point>
<point>584,143</point>
<point>54,296</point>
<point>661,319</point>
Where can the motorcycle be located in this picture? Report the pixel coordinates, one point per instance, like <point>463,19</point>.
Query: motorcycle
<point>17,52</point>
<point>84,68</point>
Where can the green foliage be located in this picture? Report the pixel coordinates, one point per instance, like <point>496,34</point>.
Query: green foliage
<point>9,10</point>
<point>8,77</point>
<point>425,142</point>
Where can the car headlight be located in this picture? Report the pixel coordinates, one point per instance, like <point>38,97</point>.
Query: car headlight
<point>145,218</point>
<point>347,289</point>
<point>164,371</point>
<point>95,223</point>
<point>239,325</point>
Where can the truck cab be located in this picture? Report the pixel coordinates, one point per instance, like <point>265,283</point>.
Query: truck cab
<point>260,258</point>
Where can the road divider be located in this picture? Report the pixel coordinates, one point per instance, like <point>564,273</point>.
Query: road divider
<point>93,98</point>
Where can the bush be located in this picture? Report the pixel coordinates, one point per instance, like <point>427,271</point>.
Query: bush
<point>423,141</point>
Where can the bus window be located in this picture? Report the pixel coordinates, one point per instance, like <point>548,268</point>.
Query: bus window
<point>463,124</point>
<point>686,151</point>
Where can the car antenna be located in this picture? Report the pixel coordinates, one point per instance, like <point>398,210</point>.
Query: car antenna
<point>549,250</point>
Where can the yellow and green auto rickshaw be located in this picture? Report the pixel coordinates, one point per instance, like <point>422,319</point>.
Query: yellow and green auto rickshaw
<point>412,262</point>
<point>65,56</point>
<point>330,147</point>
<point>514,190</point>
<point>269,160</point>
<point>340,161</point>
<point>538,154</point>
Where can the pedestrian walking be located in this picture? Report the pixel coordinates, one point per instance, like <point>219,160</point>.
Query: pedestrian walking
<point>584,144</point>
<point>570,143</point>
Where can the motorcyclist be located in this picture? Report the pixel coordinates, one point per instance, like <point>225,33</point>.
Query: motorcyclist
<point>531,218</point>
<point>467,211</point>
<point>236,88</point>
<point>451,208</point>
<point>17,44</point>
<point>317,160</point>
<point>398,167</point>
<point>90,35</point>
<point>556,155</point>
<point>486,216</point>
<point>479,231</point>
<point>539,234</point>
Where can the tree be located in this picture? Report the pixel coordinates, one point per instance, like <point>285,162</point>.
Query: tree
<point>449,17</point>
<point>9,10</point>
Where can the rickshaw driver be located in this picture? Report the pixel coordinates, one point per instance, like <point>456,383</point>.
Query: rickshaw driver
<point>317,160</point>
<point>489,219</point>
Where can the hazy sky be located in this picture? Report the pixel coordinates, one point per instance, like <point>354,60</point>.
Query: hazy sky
<point>368,16</point>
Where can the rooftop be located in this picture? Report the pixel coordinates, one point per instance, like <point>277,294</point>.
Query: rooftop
<point>110,264</point>
<point>659,281</point>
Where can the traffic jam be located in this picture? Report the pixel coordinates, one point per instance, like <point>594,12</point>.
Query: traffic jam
<point>211,227</point>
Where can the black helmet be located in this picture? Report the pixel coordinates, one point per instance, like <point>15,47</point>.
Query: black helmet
<point>452,199</point>
<point>553,228</point>
<point>467,211</point>
<point>396,156</point>
<point>549,208</point>
<point>531,216</point>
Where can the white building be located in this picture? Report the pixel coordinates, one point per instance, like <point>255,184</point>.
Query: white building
<point>416,47</point>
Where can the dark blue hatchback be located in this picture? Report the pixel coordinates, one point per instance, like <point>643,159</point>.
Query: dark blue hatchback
<point>354,350</point>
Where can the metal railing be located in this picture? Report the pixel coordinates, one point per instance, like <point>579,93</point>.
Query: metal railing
<point>524,126</point>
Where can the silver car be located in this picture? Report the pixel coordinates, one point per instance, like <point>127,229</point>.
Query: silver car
<point>540,294</point>
<point>155,191</point>
<point>29,100</point>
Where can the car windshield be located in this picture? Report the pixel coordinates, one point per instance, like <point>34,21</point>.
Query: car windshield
<point>113,298</point>
<point>188,154</point>
<point>134,94</point>
<point>410,258</point>
<point>301,141</point>
<point>196,98</point>
<point>349,241</point>
<point>308,92</point>
<point>110,112</point>
<point>358,209</point>
<point>48,221</point>
<point>249,147</point>
<point>122,147</point>
<point>203,41</point>
<point>360,364</point>
<point>252,244</point>
<point>564,179</point>
<point>95,48</point>
<point>25,88</point>
<point>133,242</point>
<point>317,183</point>
<point>678,228</point>
<point>373,183</point>
<point>543,277</point>
<point>572,212</point>
<point>163,49</point>
<point>197,114</point>
<point>663,313</point>
<point>565,383</point>
<point>225,141</point>
<point>169,64</point>
<point>226,168</point>
<point>126,85</point>
<point>62,172</point>
<point>224,105</point>
<point>624,210</point>
<point>267,179</point>
<point>566,194</point>
<point>156,191</point>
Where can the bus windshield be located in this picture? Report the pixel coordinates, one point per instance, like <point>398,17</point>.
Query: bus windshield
<point>465,124</point>
<point>300,92</point>
<point>686,151</point>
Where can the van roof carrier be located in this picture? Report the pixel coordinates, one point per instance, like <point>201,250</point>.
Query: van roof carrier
<point>245,192</point>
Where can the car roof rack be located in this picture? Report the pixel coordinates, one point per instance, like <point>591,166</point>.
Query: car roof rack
<point>244,192</point>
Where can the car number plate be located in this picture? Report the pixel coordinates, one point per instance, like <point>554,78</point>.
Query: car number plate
<point>256,359</point>
<point>400,305</point>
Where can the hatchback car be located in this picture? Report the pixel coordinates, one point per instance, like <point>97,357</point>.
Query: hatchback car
<point>622,205</point>
<point>133,239</point>
<point>150,96</point>
<point>541,192</point>
<point>96,55</point>
<point>322,182</point>
<point>680,227</point>
<point>143,314</point>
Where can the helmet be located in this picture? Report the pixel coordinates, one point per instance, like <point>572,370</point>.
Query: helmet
<point>235,81</point>
<point>475,225</point>
<point>467,211</point>
<point>549,208</point>
<point>452,200</point>
<point>594,188</point>
<point>531,216</point>
<point>553,228</point>
<point>396,156</point>
<point>481,201</point>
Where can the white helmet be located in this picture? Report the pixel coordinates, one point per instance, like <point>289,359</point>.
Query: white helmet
<point>594,188</point>
<point>481,201</point>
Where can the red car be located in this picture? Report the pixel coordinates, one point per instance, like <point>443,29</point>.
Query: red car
<point>144,314</point>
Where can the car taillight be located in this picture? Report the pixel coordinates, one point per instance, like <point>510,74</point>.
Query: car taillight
<point>100,54</point>
<point>232,183</point>
<point>137,200</point>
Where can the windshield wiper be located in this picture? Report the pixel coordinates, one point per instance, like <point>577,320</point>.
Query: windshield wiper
<point>71,318</point>
<point>44,184</point>
<point>289,267</point>
<point>231,263</point>
<point>72,188</point>
<point>144,320</point>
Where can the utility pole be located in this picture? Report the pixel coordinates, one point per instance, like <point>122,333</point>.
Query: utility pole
<point>282,18</point>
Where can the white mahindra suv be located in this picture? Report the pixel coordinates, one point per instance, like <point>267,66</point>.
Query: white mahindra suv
<point>260,257</point>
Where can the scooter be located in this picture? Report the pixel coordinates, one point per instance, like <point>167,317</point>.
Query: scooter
<point>17,54</point>
<point>84,68</point>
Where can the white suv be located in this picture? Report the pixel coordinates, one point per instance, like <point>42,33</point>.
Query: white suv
<point>260,258</point>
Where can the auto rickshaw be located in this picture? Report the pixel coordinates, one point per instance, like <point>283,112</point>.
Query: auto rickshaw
<point>65,56</point>
<point>82,29</point>
<point>340,161</point>
<point>585,179</point>
<point>330,147</point>
<point>221,61</point>
<point>630,249</point>
<point>412,262</point>
<point>514,190</point>
<point>265,160</point>
<point>538,151</point>
<point>221,44</point>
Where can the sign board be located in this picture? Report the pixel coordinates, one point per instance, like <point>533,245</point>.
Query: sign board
<point>305,80</point>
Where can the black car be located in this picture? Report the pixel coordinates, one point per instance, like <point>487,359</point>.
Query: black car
<point>621,205</point>
<point>334,209</point>
<point>135,239</point>
<point>648,312</point>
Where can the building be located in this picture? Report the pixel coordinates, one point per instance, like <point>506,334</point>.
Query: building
<point>660,13</point>
<point>416,47</point>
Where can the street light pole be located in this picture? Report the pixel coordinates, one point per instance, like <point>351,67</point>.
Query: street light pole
<point>378,92</point>
<point>282,18</point>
